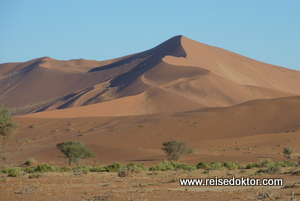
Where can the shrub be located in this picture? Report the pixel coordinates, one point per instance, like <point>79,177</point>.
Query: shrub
<point>7,126</point>
<point>202,165</point>
<point>134,166</point>
<point>183,166</point>
<point>32,126</point>
<point>75,151</point>
<point>215,166</point>
<point>114,167</point>
<point>98,169</point>
<point>175,149</point>
<point>81,168</point>
<point>163,166</point>
<point>130,169</point>
<point>30,161</point>
<point>252,165</point>
<point>5,169</point>
<point>231,165</point>
<point>266,163</point>
<point>14,172</point>
<point>29,169</point>
<point>284,164</point>
<point>124,173</point>
<point>288,151</point>
<point>64,169</point>
<point>46,168</point>
<point>270,170</point>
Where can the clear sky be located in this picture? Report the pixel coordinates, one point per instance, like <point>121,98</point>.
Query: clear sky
<point>265,30</point>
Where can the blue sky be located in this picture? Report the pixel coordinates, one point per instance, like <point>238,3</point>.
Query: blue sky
<point>265,30</point>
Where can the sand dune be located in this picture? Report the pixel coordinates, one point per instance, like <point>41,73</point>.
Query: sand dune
<point>186,73</point>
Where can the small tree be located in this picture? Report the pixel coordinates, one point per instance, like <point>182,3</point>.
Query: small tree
<point>7,126</point>
<point>175,149</point>
<point>288,151</point>
<point>75,151</point>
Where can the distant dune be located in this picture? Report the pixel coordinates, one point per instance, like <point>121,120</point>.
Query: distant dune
<point>178,75</point>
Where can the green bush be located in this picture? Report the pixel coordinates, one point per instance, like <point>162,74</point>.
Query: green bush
<point>14,172</point>
<point>81,168</point>
<point>46,168</point>
<point>202,165</point>
<point>100,168</point>
<point>252,165</point>
<point>114,167</point>
<point>31,169</point>
<point>30,161</point>
<point>288,151</point>
<point>183,166</point>
<point>64,169</point>
<point>175,149</point>
<point>7,126</point>
<point>234,165</point>
<point>284,164</point>
<point>163,166</point>
<point>267,163</point>
<point>215,166</point>
<point>5,169</point>
<point>134,166</point>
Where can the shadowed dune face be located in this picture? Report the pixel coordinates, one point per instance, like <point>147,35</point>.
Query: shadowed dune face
<point>184,71</point>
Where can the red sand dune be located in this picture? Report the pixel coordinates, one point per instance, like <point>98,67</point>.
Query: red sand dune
<point>191,74</point>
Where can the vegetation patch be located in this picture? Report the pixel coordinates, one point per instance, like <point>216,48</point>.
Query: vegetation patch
<point>75,151</point>
<point>14,172</point>
<point>202,165</point>
<point>115,167</point>
<point>175,149</point>
<point>30,161</point>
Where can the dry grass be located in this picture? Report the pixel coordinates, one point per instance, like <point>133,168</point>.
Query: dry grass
<point>144,185</point>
